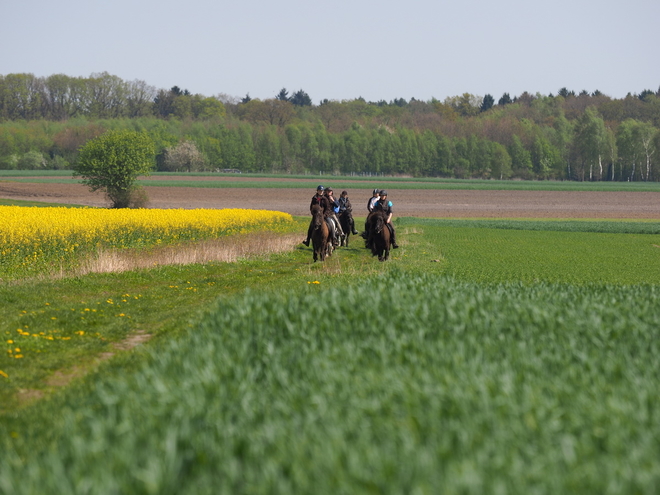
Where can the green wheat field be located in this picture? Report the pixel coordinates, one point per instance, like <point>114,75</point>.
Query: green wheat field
<point>485,357</point>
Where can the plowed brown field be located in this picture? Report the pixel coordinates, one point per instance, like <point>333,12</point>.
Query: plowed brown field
<point>407,202</point>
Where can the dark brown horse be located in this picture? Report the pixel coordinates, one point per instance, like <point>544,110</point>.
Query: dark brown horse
<point>320,234</point>
<point>345,218</point>
<point>379,236</point>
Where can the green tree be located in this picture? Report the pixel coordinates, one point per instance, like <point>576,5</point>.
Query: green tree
<point>543,157</point>
<point>467,104</point>
<point>268,156</point>
<point>112,163</point>
<point>562,134</point>
<point>500,162</point>
<point>32,160</point>
<point>636,146</point>
<point>207,108</point>
<point>505,100</point>
<point>487,103</point>
<point>300,99</point>
<point>591,142</point>
<point>521,160</point>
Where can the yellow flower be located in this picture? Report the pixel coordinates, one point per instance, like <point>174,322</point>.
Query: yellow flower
<point>2,373</point>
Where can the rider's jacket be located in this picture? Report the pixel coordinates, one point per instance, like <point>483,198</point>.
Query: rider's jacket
<point>334,205</point>
<point>385,206</point>
<point>344,205</point>
<point>323,202</point>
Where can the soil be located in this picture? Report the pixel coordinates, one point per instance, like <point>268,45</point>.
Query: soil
<point>409,203</point>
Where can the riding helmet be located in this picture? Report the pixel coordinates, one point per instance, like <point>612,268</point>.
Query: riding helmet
<point>375,191</point>
<point>320,188</point>
<point>383,192</point>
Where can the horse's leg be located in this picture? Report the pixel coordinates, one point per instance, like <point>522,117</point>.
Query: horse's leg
<point>386,245</point>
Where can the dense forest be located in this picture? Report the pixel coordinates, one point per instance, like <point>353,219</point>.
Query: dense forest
<point>584,136</point>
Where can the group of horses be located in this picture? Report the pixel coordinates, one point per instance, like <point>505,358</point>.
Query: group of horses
<point>377,237</point>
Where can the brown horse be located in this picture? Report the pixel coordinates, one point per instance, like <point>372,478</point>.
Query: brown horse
<point>320,234</point>
<point>345,218</point>
<point>379,236</point>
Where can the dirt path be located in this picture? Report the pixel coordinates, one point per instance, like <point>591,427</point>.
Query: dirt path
<point>415,203</point>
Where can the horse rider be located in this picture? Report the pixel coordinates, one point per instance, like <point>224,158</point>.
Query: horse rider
<point>371,203</point>
<point>384,205</point>
<point>375,196</point>
<point>334,208</point>
<point>318,199</point>
<point>345,208</point>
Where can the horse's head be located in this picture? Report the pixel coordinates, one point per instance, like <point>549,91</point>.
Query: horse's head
<point>317,216</point>
<point>378,220</point>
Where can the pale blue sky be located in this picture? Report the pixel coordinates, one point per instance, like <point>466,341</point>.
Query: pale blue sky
<point>341,49</point>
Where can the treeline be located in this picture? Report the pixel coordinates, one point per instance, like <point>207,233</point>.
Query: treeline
<point>567,136</point>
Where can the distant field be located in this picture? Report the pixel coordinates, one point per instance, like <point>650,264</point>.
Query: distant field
<point>217,180</point>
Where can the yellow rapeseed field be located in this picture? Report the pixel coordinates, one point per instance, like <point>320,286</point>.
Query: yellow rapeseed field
<point>32,238</point>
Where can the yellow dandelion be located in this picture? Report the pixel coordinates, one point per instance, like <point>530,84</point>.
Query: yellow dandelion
<point>2,373</point>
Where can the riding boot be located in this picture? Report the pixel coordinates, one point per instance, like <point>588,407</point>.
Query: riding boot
<point>309,236</point>
<point>353,231</point>
<point>394,244</point>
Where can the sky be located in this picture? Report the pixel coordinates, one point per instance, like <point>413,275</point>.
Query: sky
<point>341,49</point>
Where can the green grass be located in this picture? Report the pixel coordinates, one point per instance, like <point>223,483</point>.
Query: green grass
<point>482,358</point>
<point>340,181</point>
<point>561,254</point>
<point>435,386</point>
<point>18,202</point>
